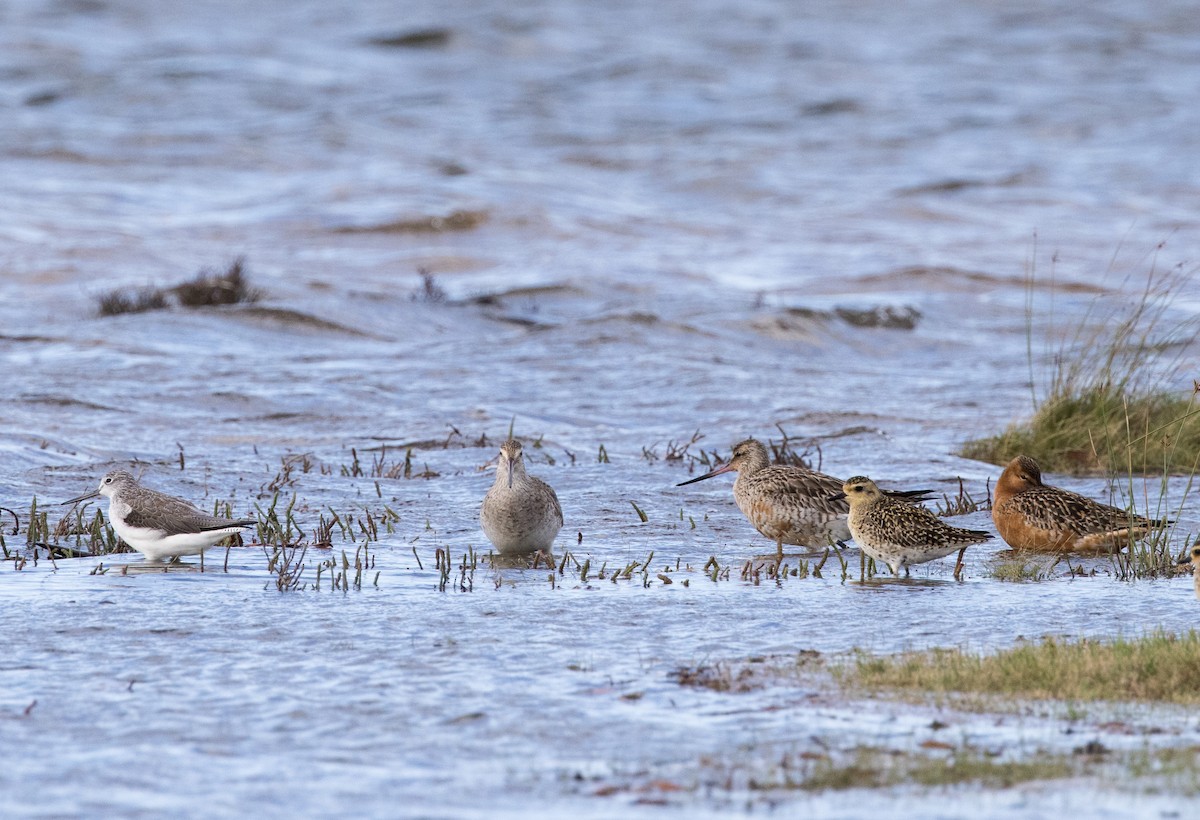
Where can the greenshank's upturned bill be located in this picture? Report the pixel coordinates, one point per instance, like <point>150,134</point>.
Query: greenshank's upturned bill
<point>157,525</point>
<point>901,534</point>
<point>520,513</point>
<point>1030,515</point>
<point>788,504</point>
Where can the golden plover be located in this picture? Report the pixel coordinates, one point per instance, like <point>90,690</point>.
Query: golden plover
<point>897,533</point>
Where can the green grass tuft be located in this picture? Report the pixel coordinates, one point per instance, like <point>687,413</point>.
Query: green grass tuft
<point>1159,667</point>
<point>1117,401</point>
<point>1020,570</point>
<point>1099,430</point>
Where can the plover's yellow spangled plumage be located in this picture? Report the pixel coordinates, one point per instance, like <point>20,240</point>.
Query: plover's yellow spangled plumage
<point>900,534</point>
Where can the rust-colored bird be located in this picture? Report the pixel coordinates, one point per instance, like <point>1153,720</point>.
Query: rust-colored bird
<point>1033,516</point>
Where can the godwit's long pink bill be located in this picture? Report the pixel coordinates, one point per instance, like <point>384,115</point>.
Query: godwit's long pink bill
<point>727,468</point>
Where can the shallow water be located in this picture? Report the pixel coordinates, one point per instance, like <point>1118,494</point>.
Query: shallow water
<point>667,204</point>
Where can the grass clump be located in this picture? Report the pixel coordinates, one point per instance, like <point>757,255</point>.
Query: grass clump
<point>1103,429</point>
<point>430,291</point>
<point>116,302</point>
<point>1116,402</point>
<point>207,289</point>
<point>1159,667</point>
<point>211,289</point>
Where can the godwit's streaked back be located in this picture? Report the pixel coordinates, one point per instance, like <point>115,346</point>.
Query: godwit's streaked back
<point>1033,516</point>
<point>789,505</point>
<point>520,513</point>
<point>897,533</point>
<point>157,525</point>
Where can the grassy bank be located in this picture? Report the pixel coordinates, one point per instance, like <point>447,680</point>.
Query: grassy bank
<point>1120,398</point>
<point>1157,667</point>
<point>1100,430</point>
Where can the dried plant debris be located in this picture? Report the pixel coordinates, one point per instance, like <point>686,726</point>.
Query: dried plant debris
<point>207,289</point>
<point>430,291</point>
<point>837,105</point>
<point>460,220</point>
<point>804,322</point>
<point>415,38</point>
<point>885,316</point>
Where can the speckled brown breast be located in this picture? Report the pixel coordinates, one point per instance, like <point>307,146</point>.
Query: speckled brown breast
<point>1019,533</point>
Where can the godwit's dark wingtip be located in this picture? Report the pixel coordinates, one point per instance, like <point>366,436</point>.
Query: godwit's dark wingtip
<point>910,495</point>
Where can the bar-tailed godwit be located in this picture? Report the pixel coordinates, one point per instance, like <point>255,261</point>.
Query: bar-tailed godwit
<point>1033,516</point>
<point>897,533</point>
<point>520,513</point>
<point>157,525</point>
<point>788,504</point>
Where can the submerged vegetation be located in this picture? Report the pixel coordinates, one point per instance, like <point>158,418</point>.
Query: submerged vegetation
<point>939,764</point>
<point>207,289</point>
<point>933,764</point>
<point>1114,404</point>
<point>1157,668</point>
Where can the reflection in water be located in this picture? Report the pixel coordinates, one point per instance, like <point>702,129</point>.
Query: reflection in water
<point>536,560</point>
